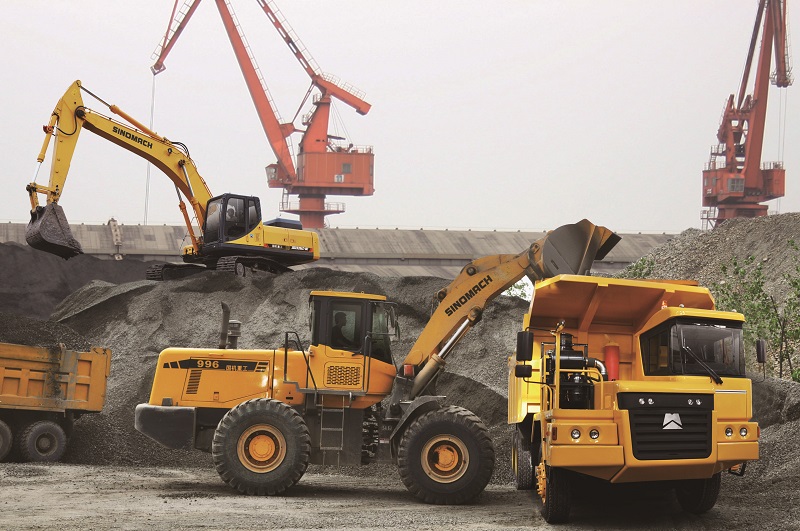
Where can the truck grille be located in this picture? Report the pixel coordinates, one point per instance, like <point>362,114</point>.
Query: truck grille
<point>652,439</point>
<point>665,428</point>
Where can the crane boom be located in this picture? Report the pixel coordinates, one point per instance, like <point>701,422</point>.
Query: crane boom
<point>735,182</point>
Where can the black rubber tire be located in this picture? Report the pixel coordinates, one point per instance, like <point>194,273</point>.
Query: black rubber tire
<point>280,429</point>
<point>522,460</point>
<point>42,441</point>
<point>558,496</point>
<point>6,439</point>
<point>454,430</point>
<point>697,496</point>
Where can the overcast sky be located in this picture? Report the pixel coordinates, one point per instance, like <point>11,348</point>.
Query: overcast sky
<point>486,115</point>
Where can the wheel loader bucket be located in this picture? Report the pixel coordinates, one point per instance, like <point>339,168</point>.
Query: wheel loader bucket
<point>571,249</point>
<point>49,231</point>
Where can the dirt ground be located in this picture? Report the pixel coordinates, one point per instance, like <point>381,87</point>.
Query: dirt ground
<point>37,496</point>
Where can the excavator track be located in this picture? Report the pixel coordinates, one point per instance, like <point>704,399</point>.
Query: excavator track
<point>172,271</point>
<point>243,265</point>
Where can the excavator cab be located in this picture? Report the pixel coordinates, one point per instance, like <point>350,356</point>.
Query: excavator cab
<point>229,217</point>
<point>48,231</point>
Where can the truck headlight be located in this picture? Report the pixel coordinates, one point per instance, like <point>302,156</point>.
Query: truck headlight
<point>743,431</point>
<point>575,433</point>
<point>728,431</point>
<point>594,434</point>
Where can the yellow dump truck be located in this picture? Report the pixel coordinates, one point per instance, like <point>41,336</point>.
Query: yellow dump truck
<point>629,381</point>
<point>42,391</point>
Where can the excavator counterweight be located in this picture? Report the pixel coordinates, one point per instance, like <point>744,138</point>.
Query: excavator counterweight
<point>48,231</point>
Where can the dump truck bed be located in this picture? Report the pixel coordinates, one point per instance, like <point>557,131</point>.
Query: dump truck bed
<point>53,379</point>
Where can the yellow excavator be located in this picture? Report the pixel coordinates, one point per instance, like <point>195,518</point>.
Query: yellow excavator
<point>265,415</point>
<point>232,235</point>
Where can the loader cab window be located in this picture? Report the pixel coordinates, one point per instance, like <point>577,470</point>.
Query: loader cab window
<point>384,327</point>
<point>346,331</point>
<point>675,348</point>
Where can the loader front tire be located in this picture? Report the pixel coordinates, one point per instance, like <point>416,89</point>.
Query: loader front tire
<point>446,456</point>
<point>42,441</point>
<point>697,496</point>
<point>261,447</point>
<point>521,460</point>
<point>5,440</point>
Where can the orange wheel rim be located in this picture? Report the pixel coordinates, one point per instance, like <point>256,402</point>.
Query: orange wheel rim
<point>445,458</point>
<point>261,448</point>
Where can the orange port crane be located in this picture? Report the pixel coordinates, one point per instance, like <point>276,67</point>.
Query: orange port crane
<point>326,164</point>
<point>735,182</point>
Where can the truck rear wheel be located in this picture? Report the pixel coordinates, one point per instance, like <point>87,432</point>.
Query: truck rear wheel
<point>554,489</point>
<point>261,447</point>
<point>697,496</point>
<point>5,440</point>
<point>42,441</point>
<point>446,456</point>
<point>521,460</point>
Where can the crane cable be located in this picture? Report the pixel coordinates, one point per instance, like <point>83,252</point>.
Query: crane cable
<point>147,179</point>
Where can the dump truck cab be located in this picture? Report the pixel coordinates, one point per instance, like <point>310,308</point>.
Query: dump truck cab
<point>629,381</point>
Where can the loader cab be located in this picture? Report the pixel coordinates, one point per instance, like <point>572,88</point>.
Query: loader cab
<point>229,217</point>
<point>355,322</point>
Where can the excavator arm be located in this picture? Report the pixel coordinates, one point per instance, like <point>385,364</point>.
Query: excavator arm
<point>569,249</point>
<point>48,229</point>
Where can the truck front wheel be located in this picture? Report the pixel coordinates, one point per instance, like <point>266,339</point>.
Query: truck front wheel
<point>261,447</point>
<point>697,496</point>
<point>446,456</point>
<point>554,488</point>
<point>41,441</point>
<point>5,440</point>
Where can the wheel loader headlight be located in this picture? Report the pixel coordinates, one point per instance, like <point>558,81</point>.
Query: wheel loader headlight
<point>594,434</point>
<point>728,431</point>
<point>575,433</point>
<point>743,432</point>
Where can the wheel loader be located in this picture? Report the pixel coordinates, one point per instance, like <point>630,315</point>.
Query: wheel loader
<point>265,415</point>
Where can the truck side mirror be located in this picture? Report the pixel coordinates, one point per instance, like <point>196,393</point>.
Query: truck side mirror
<point>525,345</point>
<point>761,351</point>
<point>523,371</point>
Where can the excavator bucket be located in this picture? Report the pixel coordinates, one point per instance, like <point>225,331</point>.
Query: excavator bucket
<point>571,249</point>
<point>49,231</point>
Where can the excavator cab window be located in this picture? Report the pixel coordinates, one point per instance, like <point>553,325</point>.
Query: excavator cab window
<point>229,217</point>
<point>345,325</point>
<point>384,327</point>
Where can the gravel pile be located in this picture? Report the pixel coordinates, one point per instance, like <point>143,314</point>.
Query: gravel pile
<point>700,255</point>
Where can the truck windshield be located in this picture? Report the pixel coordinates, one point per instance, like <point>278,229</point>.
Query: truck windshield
<point>676,347</point>
<point>719,346</point>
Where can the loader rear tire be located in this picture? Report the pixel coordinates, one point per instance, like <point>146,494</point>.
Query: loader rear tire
<point>5,440</point>
<point>261,447</point>
<point>42,441</point>
<point>697,496</point>
<point>521,460</point>
<point>446,456</point>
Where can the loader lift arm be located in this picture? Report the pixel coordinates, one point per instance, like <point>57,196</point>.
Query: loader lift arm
<point>569,249</point>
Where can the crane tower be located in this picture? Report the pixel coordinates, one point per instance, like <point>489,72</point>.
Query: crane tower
<point>325,164</point>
